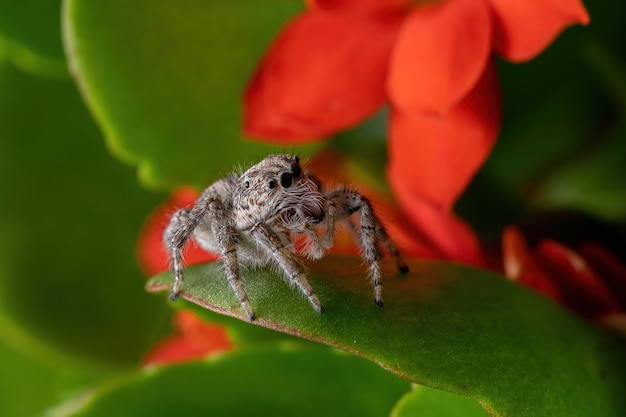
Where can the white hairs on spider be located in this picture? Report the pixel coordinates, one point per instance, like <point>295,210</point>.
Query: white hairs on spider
<point>253,218</point>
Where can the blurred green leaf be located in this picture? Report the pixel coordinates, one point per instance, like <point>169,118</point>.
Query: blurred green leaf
<point>595,182</point>
<point>450,327</point>
<point>69,216</point>
<point>269,382</point>
<point>165,79</point>
<point>551,129</point>
<point>30,387</point>
<point>424,401</point>
<point>31,30</point>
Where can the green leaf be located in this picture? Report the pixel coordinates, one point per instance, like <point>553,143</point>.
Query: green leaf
<point>269,382</point>
<point>424,401</point>
<point>31,30</point>
<point>30,387</point>
<point>595,182</point>
<point>450,327</point>
<point>69,215</point>
<point>165,79</point>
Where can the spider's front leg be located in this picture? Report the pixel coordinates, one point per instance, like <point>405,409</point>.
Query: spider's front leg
<point>286,259</point>
<point>372,233</point>
<point>207,211</point>
<point>226,237</point>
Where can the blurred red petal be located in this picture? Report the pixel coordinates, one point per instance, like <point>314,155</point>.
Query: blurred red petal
<point>444,232</point>
<point>611,270</point>
<point>151,251</point>
<point>520,266</point>
<point>439,56</point>
<point>524,28</point>
<point>435,158</point>
<point>194,339</point>
<point>582,290</point>
<point>325,72</point>
<point>360,6</point>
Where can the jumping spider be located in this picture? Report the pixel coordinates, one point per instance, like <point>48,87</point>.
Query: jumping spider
<point>252,219</point>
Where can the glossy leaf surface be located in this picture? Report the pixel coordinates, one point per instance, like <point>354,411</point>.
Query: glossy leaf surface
<point>425,401</point>
<point>164,80</point>
<point>268,382</point>
<point>453,328</point>
<point>69,215</point>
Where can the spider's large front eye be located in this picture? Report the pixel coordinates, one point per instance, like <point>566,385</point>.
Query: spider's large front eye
<point>286,179</point>
<point>296,170</point>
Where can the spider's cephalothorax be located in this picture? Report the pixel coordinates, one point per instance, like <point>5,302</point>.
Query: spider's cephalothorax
<point>253,218</point>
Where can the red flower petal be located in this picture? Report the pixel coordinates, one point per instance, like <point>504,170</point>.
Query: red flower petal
<point>440,54</point>
<point>611,270</point>
<point>445,233</point>
<point>524,28</point>
<point>194,339</point>
<point>151,251</point>
<point>435,158</point>
<point>582,290</point>
<point>324,72</point>
<point>520,266</point>
<point>360,6</point>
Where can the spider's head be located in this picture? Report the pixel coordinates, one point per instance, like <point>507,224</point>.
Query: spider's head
<point>278,187</point>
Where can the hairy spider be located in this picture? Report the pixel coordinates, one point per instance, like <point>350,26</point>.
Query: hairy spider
<point>252,219</point>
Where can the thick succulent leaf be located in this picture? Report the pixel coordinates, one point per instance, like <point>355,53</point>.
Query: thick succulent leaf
<point>31,30</point>
<point>165,79</point>
<point>425,401</point>
<point>450,327</point>
<point>69,216</point>
<point>269,382</point>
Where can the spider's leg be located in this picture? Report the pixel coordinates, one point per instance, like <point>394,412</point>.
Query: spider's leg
<point>181,227</point>
<point>370,236</point>
<point>226,238</point>
<point>383,237</point>
<point>286,260</point>
<point>371,248</point>
<point>175,236</point>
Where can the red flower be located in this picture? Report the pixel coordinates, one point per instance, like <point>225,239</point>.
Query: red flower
<point>591,281</point>
<point>193,340</point>
<point>341,61</point>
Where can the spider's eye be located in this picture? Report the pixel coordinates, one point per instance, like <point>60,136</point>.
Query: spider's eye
<point>296,170</point>
<point>286,180</point>
<point>246,184</point>
<point>272,184</point>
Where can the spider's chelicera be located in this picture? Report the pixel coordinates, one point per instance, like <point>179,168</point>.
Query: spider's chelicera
<point>252,219</point>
